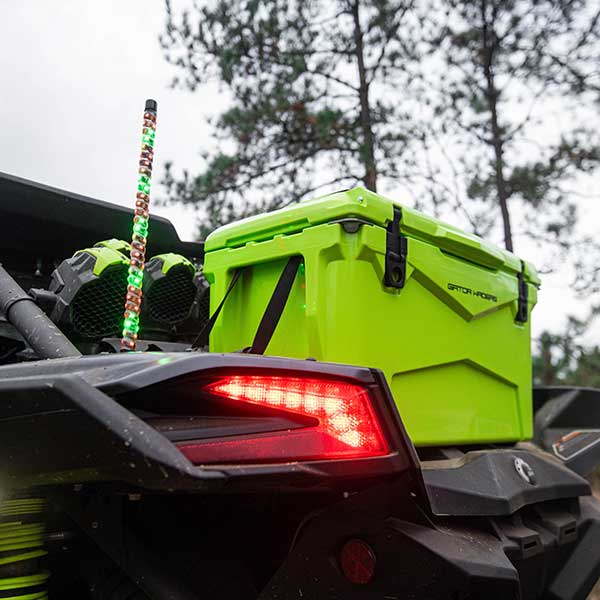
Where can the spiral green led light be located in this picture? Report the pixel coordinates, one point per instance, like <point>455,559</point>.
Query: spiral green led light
<point>137,255</point>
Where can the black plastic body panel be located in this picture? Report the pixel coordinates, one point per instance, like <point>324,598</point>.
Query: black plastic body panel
<point>561,411</point>
<point>487,483</point>
<point>414,558</point>
<point>44,223</point>
<point>60,430</point>
<point>63,421</point>
<point>546,551</point>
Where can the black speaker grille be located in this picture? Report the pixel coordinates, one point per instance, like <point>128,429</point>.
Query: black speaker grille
<point>97,309</point>
<point>170,298</point>
<point>204,306</point>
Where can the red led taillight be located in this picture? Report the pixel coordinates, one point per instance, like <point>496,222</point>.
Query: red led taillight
<point>347,426</point>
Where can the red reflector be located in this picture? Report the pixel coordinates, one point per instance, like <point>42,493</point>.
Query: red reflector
<point>347,425</point>
<point>357,561</point>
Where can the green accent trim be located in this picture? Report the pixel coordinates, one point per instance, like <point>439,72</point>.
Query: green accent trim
<point>35,596</point>
<point>22,502</point>
<point>24,556</point>
<point>18,529</point>
<point>28,537</point>
<point>114,244</point>
<point>105,257</point>
<point>171,260</point>
<point>34,542</point>
<point>10,583</point>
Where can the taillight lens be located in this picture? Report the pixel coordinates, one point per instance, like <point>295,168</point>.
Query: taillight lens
<point>347,426</point>
<point>357,561</point>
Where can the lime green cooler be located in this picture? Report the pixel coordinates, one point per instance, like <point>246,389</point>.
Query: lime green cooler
<point>444,314</point>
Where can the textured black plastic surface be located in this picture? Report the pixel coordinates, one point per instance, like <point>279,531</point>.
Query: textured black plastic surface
<point>487,483</point>
<point>44,402</point>
<point>562,411</point>
<point>89,305</point>
<point>414,558</point>
<point>547,550</point>
<point>41,223</point>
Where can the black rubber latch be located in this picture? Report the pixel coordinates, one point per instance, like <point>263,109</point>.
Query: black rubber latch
<point>396,249</point>
<point>522,306</point>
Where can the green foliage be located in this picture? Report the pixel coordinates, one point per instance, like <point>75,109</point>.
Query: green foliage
<point>563,359</point>
<point>488,108</point>
<point>454,100</point>
<point>506,66</point>
<point>312,97</point>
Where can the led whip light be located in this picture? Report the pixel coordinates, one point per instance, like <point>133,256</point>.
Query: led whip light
<point>137,254</point>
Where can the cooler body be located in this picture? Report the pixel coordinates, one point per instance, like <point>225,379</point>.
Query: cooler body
<point>445,315</point>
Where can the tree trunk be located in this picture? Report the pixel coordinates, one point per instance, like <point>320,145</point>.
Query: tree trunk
<point>497,141</point>
<point>548,374</point>
<point>368,151</point>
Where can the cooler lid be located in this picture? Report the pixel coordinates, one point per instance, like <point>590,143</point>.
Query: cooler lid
<point>362,204</point>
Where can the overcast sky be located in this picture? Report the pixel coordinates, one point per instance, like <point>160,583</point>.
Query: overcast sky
<point>74,75</point>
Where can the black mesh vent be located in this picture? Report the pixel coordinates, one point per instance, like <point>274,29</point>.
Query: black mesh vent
<point>170,298</point>
<point>97,309</point>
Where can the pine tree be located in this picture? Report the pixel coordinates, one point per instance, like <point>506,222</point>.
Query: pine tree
<point>502,70</point>
<point>564,359</point>
<point>316,93</point>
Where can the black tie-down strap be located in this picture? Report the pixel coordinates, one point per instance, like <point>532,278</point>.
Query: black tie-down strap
<point>208,326</point>
<point>274,309</point>
<point>272,313</point>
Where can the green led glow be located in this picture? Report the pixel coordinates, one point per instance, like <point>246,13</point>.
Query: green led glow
<point>135,279</point>
<point>141,227</point>
<point>148,139</point>
<point>131,324</point>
